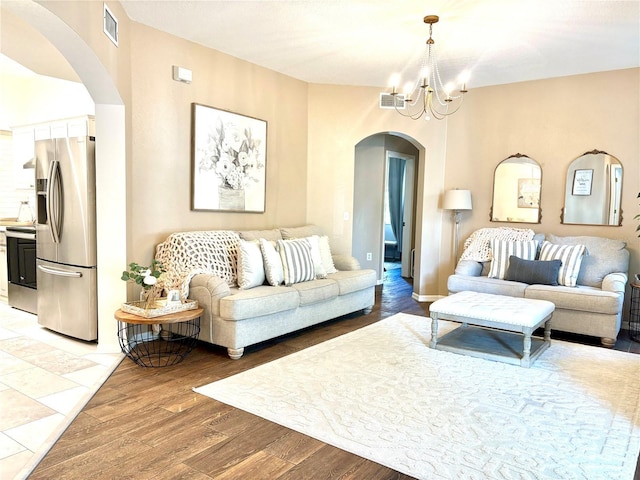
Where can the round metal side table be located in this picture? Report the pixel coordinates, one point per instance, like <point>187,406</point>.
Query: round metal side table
<point>158,341</point>
<point>634,314</point>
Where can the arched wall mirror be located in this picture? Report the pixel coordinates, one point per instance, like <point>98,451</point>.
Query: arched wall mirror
<point>516,190</point>
<point>593,190</point>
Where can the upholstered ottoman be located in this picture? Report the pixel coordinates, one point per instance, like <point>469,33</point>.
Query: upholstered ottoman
<point>494,327</point>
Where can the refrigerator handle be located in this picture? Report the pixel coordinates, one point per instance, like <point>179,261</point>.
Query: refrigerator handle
<point>61,273</point>
<point>54,199</point>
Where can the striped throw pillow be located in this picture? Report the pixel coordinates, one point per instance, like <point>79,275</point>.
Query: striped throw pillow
<point>501,250</point>
<point>297,262</point>
<point>571,258</point>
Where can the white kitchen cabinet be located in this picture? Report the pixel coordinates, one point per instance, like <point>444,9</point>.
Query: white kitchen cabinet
<point>4,282</point>
<point>23,145</point>
<point>24,138</point>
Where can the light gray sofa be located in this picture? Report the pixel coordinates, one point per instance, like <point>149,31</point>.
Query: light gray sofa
<point>593,307</point>
<point>236,318</point>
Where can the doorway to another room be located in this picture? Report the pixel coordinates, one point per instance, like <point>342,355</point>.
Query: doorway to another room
<point>385,172</point>
<point>398,213</point>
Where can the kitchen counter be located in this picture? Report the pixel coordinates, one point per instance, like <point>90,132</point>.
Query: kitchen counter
<point>13,222</point>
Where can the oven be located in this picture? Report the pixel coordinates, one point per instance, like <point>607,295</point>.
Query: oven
<point>21,268</point>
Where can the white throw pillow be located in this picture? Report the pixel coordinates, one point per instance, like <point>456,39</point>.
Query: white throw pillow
<point>501,250</point>
<point>272,263</point>
<point>316,256</point>
<point>571,257</point>
<point>250,266</point>
<point>325,254</point>
<point>297,263</point>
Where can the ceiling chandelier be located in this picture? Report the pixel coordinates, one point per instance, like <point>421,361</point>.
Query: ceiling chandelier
<point>427,96</point>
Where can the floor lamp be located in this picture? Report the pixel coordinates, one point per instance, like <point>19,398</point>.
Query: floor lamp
<point>457,200</point>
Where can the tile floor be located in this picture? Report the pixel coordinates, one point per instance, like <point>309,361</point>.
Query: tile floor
<point>45,380</point>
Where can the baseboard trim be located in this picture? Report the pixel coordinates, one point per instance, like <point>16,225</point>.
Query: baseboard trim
<point>426,298</point>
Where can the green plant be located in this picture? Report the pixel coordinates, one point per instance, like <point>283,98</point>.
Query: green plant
<point>149,278</point>
<point>146,277</point>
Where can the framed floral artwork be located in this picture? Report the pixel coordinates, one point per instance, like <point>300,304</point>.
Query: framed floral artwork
<point>228,161</point>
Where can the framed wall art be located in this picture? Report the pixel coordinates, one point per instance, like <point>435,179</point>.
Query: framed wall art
<point>582,180</point>
<point>228,161</point>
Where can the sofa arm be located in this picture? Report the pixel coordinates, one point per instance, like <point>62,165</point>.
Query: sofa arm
<point>470,268</point>
<point>208,289</point>
<point>615,282</point>
<point>345,262</point>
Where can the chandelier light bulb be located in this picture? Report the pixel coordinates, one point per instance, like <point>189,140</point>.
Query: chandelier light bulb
<point>408,89</point>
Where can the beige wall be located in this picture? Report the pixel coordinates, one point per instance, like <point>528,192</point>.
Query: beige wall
<point>553,121</point>
<point>339,118</point>
<point>160,187</point>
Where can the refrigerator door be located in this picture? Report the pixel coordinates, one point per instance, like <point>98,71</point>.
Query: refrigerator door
<point>66,228</point>
<point>67,300</point>
<point>77,221</point>
<point>45,152</point>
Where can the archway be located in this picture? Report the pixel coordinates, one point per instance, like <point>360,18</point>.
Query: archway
<point>370,179</point>
<point>110,159</point>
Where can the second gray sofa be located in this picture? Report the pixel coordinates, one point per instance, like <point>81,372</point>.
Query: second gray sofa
<point>593,307</point>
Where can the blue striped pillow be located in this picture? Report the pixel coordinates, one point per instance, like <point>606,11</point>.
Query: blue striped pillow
<point>297,262</point>
<point>501,250</point>
<point>571,258</point>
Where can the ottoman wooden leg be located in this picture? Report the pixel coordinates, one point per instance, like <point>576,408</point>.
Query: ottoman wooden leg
<point>526,350</point>
<point>434,332</point>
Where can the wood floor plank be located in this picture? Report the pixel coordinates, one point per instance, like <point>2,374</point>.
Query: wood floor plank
<point>259,466</point>
<point>294,447</point>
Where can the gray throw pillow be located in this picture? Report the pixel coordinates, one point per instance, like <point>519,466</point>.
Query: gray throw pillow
<point>540,272</point>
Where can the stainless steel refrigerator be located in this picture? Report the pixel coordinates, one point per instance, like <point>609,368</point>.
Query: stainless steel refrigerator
<point>66,236</point>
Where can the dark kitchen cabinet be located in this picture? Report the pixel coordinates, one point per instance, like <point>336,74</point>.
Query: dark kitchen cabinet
<point>21,261</point>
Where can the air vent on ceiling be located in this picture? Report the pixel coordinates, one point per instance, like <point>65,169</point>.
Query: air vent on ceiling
<point>387,101</point>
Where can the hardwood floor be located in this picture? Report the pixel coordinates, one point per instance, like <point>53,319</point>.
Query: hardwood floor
<point>148,423</point>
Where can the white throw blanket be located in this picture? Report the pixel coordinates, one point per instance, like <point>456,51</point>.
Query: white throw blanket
<point>478,246</point>
<point>187,254</point>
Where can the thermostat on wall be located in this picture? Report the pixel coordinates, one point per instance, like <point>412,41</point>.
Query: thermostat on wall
<point>182,74</point>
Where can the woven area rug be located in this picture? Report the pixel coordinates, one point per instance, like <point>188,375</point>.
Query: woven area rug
<point>381,393</point>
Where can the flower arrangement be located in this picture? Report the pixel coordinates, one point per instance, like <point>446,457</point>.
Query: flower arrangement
<point>232,154</point>
<point>149,278</point>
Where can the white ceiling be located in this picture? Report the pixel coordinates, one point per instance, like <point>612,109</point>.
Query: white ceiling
<point>363,42</point>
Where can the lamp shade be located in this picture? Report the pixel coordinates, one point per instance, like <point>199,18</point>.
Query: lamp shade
<point>457,200</point>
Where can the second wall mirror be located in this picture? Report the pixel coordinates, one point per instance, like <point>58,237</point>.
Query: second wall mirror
<point>593,190</point>
<point>516,190</point>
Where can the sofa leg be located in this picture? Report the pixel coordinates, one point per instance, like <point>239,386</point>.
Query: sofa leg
<point>607,342</point>
<point>367,310</point>
<point>235,353</point>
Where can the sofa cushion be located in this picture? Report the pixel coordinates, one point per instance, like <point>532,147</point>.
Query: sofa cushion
<point>297,263</point>
<point>353,280</point>
<point>533,271</point>
<point>460,283</point>
<point>571,258</point>
<point>263,300</point>
<point>603,256</point>
<point>250,265</point>
<point>325,254</point>
<point>316,291</point>
<point>316,256</point>
<point>502,250</point>
<point>300,232</point>
<point>272,263</point>
<point>272,235</point>
<point>585,299</point>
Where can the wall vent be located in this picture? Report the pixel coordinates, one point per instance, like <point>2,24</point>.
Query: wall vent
<point>110,25</point>
<point>386,101</point>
